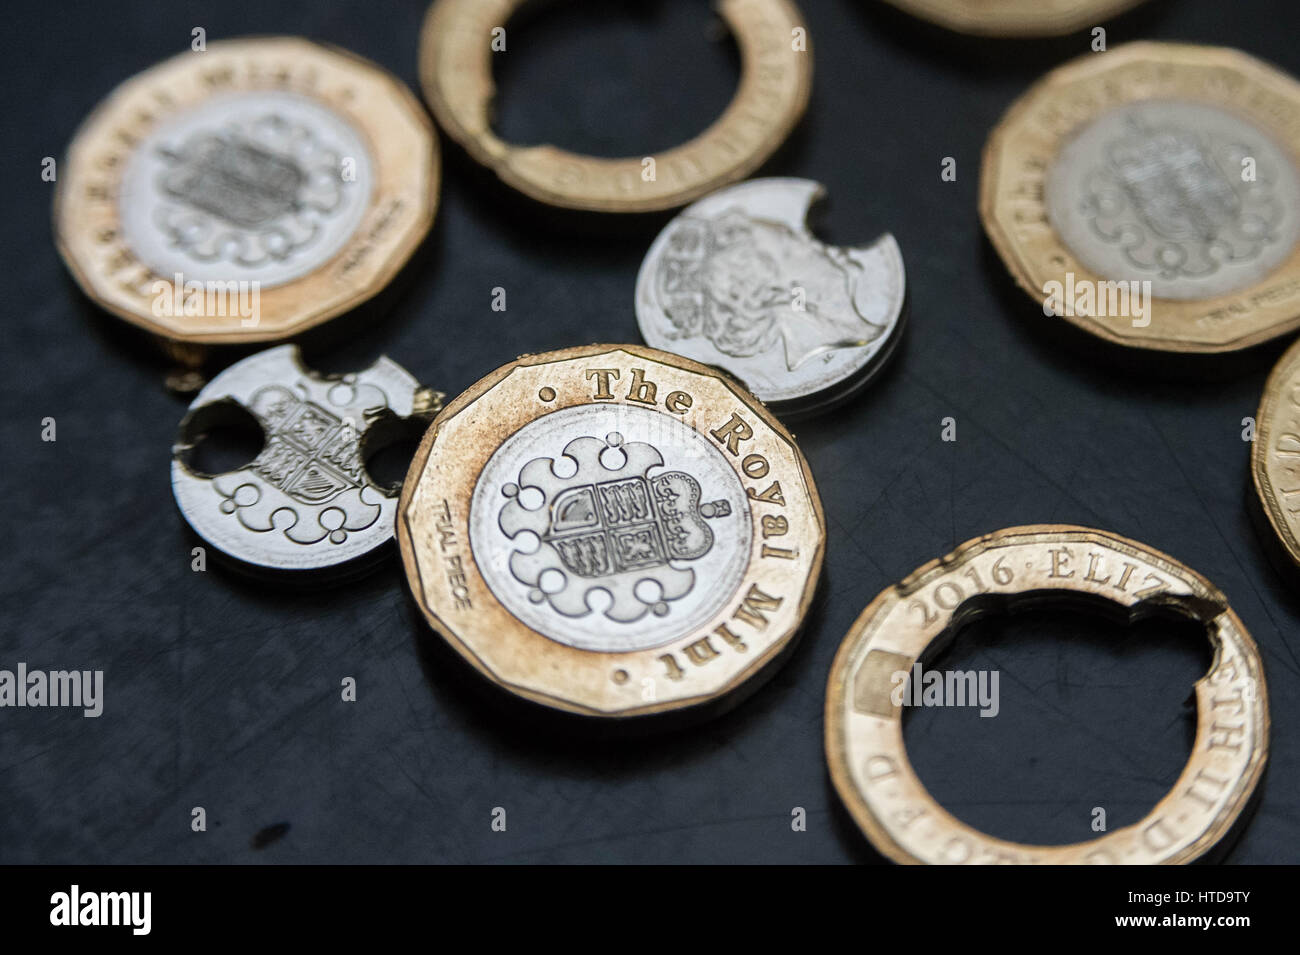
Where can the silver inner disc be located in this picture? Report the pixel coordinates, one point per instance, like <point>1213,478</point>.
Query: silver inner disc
<point>262,186</point>
<point>306,502</point>
<point>737,281</point>
<point>610,528</point>
<point>1196,200</point>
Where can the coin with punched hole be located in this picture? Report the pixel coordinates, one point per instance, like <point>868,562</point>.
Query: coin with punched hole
<point>461,39</point>
<point>738,281</point>
<point>873,680</point>
<point>305,501</point>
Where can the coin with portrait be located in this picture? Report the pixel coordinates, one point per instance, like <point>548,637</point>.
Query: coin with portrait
<point>738,280</point>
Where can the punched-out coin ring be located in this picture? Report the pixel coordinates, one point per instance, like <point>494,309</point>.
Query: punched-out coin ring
<point>456,52</point>
<point>864,726</point>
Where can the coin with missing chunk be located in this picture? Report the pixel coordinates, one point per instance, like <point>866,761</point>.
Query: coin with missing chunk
<point>1015,17</point>
<point>248,192</point>
<point>306,502</point>
<point>461,39</point>
<point>737,280</point>
<point>612,531</point>
<point>1275,452</point>
<point>1151,196</point>
<point>870,684</point>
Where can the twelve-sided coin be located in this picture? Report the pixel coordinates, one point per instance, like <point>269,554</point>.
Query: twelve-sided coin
<point>1151,196</point>
<point>612,531</point>
<point>247,192</point>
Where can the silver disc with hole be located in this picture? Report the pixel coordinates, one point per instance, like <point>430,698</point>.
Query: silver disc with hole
<point>739,282</point>
<point>306,501</point>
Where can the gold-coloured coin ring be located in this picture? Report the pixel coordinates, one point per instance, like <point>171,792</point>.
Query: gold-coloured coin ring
<point>1025,145</point>
<point>456,53</point>
<point>864,730</point>
<point>354,100</point>
<point>1275,452</point>
<point>727,609</point>
<point>1010,18</point>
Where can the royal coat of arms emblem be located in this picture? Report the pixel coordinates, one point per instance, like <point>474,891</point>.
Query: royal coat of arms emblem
<point>313,458</point>
<point>610,528</point>
<point>255,192</point>
<point>310,454</point>
<point>1168,197</point>
<point>234,179</point>
<point>306,501</point>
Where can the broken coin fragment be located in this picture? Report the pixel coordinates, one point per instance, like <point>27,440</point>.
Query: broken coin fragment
<point>460,40</point>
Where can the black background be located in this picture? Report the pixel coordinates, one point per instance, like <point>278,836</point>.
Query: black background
<point>226,695</point>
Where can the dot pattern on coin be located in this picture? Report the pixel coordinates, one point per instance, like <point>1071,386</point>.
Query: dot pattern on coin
<point>1148,196</point>
<point>624,507</point>
<point>246,193</point>
<point>246,187</point>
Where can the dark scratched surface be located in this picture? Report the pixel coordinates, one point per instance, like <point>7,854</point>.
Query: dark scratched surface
<point>223,695</point>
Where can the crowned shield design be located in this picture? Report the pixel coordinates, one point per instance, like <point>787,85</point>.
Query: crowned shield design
<point>608,528</point>
<point>234,179</point>
<point>1175,185</point>
<point>310,467</point>
<point>253,192</point>
<point>1164,196</point>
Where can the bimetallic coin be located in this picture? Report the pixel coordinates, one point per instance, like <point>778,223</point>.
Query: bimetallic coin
<point>1275,453</point>
<point>738,281</point>
<point>870,677</point>
<point>1151,196</point>
<point>248,192</point>
<point>457,47</point>
<point>612,531</point>
<point>1015,17</point>
<point>306,502</point>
